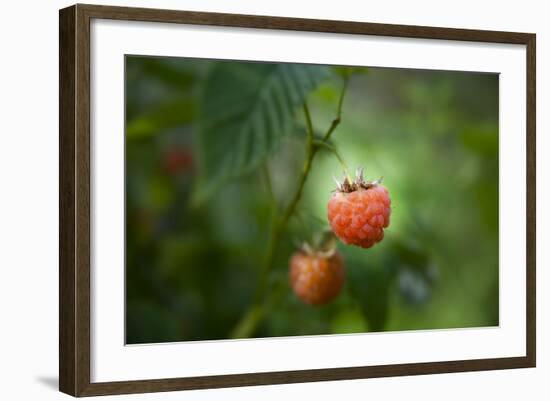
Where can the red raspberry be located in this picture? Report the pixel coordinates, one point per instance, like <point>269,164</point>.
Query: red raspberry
<point>177,161</point>
<point>316,278</point>
<point>359,211</point>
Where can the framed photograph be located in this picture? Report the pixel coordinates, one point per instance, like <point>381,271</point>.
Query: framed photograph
<point>250,200</point>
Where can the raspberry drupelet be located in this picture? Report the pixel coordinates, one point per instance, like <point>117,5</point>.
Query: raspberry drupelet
<point>359,211</point>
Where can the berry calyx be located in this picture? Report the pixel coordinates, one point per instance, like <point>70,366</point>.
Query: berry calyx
<point>316,277</point>
<point>359,211</point>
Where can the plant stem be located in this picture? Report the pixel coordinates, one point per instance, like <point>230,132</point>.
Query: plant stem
<point>332,149</point>
<point>250,320</point>
<point>338,118</point>
<point>279,226</point>
<point>310,153</point>
<point>246,326</point>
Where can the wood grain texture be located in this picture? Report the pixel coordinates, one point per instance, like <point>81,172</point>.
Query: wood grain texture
<point>531,318</point>
<point>302,376</point>
<point>82,192</point>
<point>74,206</point>
<point>301,24</point>
<point>67,129</point>
<point>74,199</point>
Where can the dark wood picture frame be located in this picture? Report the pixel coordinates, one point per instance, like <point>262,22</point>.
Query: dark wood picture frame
<point>74,205</point>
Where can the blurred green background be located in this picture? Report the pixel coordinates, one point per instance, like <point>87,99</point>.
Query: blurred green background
<point>198,212</point>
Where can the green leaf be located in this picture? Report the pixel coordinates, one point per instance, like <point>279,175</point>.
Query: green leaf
<point>246,109</point>
<point>168,115</point>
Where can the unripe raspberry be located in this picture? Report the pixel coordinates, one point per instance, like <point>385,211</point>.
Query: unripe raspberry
<point>359,211</point>
<point>316,278</point>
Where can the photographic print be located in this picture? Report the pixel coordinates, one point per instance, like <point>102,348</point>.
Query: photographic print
<point>280,199</point>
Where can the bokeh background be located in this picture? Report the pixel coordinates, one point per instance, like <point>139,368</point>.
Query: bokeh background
<point>192,266</point>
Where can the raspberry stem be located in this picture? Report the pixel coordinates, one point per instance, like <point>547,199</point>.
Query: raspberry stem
<point>338,118</point>
<point>310,154</point>
<point>333,149</point>
<point>279,226</point>
<point>253,316</point>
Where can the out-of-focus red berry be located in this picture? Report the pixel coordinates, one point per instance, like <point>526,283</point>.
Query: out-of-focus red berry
<point>315,278</point>
<point>177,161</point>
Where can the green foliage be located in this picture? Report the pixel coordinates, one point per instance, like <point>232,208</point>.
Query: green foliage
<point>170,72</point>
<point>349,320</point>
<point>192,272</point>
<point>171,114</point>
<point>346,72</point>
<point>246,109</point>
<point>481,139</point>
<point>371,288</point>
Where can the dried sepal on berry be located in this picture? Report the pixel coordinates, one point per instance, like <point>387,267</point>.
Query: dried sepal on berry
<point>349,185</point>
